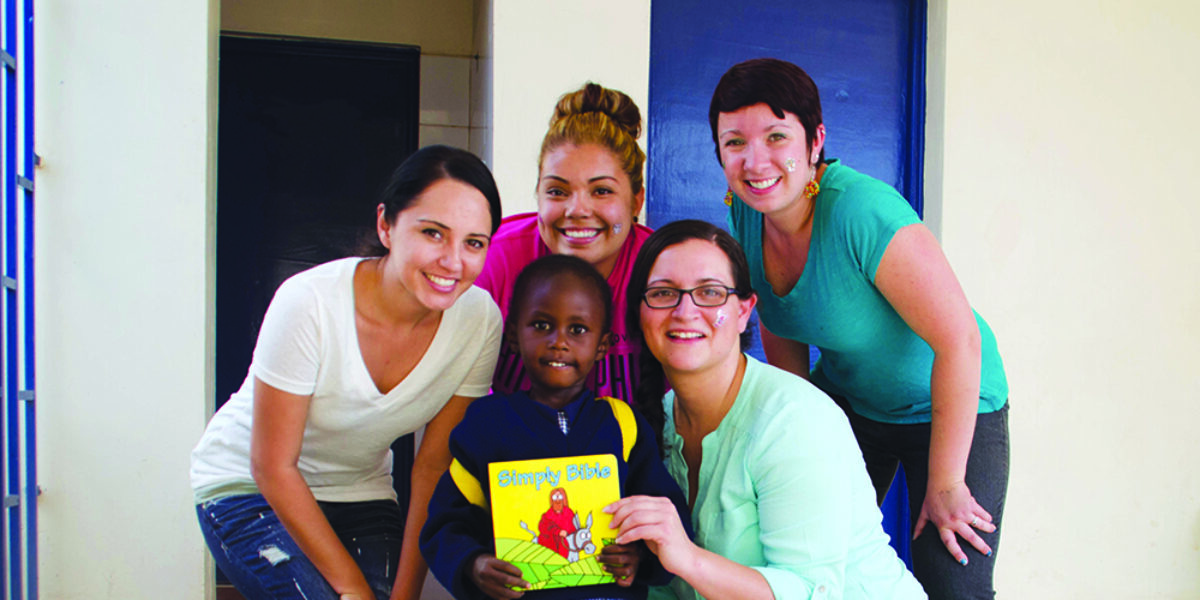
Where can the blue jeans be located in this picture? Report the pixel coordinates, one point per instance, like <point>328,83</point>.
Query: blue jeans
<point>252,548</point>
<point>884,445</point>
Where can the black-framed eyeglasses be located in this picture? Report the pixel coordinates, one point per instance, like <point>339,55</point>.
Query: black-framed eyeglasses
<point>704,295</point>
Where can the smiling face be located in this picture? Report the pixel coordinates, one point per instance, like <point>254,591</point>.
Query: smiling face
<point>585,204</point>
<point>437,245</point>
<point>688,338</point>
<point>559,333</point>
<point>766,159</point>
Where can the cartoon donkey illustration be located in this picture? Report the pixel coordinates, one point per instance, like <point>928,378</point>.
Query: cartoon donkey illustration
<point>580,540</point>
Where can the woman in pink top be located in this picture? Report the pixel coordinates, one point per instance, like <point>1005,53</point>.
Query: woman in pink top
<point>589,193</point>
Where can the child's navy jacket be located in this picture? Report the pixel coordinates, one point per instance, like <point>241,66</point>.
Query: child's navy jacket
<point>508,427</point>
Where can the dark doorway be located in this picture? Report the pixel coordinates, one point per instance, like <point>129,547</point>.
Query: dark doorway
<point>309,131</point>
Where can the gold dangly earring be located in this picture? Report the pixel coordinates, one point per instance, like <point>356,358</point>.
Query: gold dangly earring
<point>728,197</point>
<point>813,188</point>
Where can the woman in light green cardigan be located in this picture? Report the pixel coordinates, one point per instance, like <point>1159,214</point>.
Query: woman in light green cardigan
<point>781,502</point>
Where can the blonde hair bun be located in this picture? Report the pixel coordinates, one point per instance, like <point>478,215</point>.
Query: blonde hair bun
<point>598,115</point>
<point>595,98</point>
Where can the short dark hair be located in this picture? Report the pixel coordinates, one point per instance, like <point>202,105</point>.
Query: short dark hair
<point>426,167</point>
<point>549,267</point>
<point>652,384</point>
<point>779,84</point>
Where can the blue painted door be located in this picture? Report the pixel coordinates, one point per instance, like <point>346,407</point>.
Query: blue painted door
<point>867,58</point>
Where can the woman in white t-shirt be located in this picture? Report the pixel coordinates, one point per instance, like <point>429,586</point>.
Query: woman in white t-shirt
<point>292,477</point>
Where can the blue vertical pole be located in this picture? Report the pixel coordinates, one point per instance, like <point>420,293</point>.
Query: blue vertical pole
<point>31,484</point>
<point>11,553</point>
<point>11,416</point>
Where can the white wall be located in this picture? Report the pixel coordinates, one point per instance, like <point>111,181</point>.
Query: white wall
<point>125,126</point>
<point>543,49</point>
<point>1069,215</point>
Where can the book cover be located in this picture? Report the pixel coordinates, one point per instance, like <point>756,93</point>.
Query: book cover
<point>547,517</point>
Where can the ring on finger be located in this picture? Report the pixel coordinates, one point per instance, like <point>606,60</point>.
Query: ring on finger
<point>974,521</point>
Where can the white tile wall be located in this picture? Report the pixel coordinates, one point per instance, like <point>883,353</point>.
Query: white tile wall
<point>446,90</point>
<point>481,83</point>
<point>448,108</point>
<point>481,143</point>
<point>459,137</point>
<point>481,92</point>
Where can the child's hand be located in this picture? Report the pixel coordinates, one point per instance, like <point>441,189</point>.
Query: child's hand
<point>622,561</point>
<point>494,576</point>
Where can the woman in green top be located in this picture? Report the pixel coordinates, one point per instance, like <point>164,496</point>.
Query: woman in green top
<point>842,262</point>
<point>781,504</point>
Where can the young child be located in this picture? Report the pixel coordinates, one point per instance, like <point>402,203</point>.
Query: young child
<point>559,321</point>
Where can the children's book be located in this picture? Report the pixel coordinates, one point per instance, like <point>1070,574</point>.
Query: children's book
<point>547,517</point>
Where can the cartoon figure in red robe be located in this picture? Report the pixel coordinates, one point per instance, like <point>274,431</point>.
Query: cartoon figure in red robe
<point>557,523</point>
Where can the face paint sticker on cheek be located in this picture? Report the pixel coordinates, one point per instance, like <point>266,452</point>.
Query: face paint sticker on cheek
<point>720,320</point>
<point>790,164</point>
<point>617,228</point>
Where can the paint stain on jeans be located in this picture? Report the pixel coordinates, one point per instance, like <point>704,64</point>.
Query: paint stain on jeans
<point>273,555</point>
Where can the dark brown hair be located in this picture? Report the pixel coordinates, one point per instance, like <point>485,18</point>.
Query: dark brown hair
<point>421,170</point>
<point>779,84</point>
